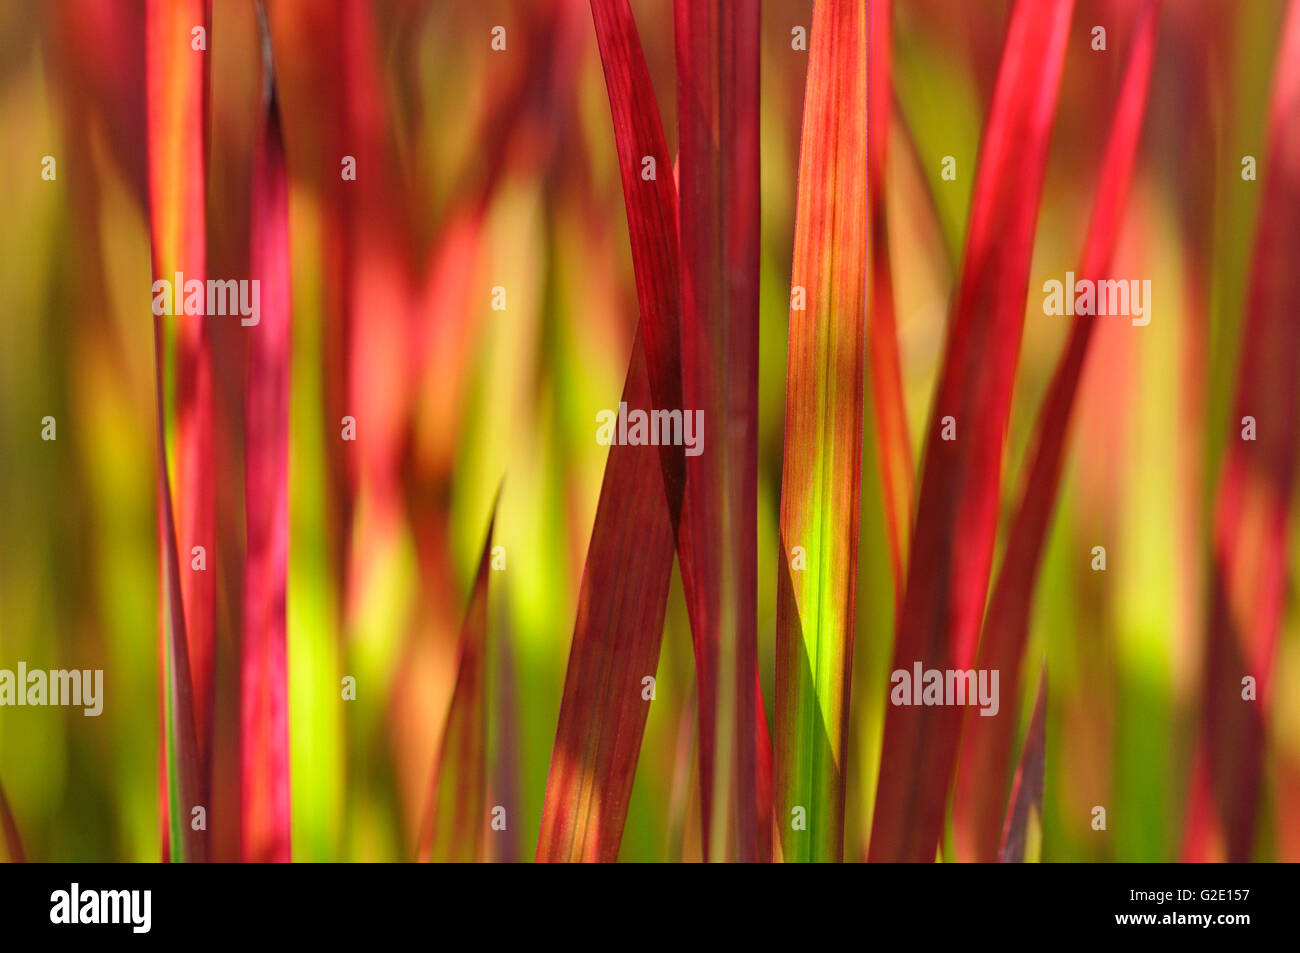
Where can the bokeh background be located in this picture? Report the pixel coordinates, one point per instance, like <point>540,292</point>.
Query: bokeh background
<point>482,169</point>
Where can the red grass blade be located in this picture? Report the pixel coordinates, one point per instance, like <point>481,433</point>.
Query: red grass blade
<point>718,164</point>
<point>984,764</point>
<point>177,97</point>
<point>616,642</point>
<point>651,219</point>
<point>1025,815</point>
<point>892,436</point>
<point>456,817</point>
<point>13,842</point>
<point>1256,488</point>
<point>264,703</point>
<point>820,476</point>
<point>624,591</point>
<point>952,543</point>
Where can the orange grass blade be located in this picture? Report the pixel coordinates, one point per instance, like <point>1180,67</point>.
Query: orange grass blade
<point>456,817</point>
<point>718,166</point>
<point>1256,489</point>
<point>176,87</point>
<point>1022,832</point>
<point>984,763</point>
<point>195,439</point>
<point>892,436</point>
<point>264,684</point>
<point>957,512</point>
<point>13,842</point>
<point>820,473</point>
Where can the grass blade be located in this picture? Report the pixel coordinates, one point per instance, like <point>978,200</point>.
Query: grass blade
<point>651,199</point>
<point>624,589</point>
<point>176,87</point>
<point>456,817</point>
<point>984,763</point>
<point>181,187</point>
<point>264,705</point>
<point>718,169</point>
<point>952,542</point>
<point>823,441</point>
<point>616,642</point>
<point>503,742</point>
<point>196,523</point>
<point>892,436</point>
<point>1256,488</point>
<point>1022,833</point>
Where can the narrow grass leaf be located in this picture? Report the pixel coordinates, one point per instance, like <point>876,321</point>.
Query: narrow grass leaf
<point>823,441</point>
<point>984,763</point>
<point>196,526</point>
<point>957,511</point>
<point>718,166</point>
<point>616,642</point>
<point>892,435</point>
<point>456,816</point>
<point>264,704</point>
<point>503,742</point>
<point>624,590</point>
<point>1022,831</point>
<point>651,199</point>
<point>176,87</point>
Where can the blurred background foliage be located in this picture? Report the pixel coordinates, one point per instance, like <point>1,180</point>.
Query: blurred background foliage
<point>478,169</point>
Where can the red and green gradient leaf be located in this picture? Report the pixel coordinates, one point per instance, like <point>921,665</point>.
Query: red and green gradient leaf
<point>984,764</point>
<point>957,510</point>
<point>820,475</point>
